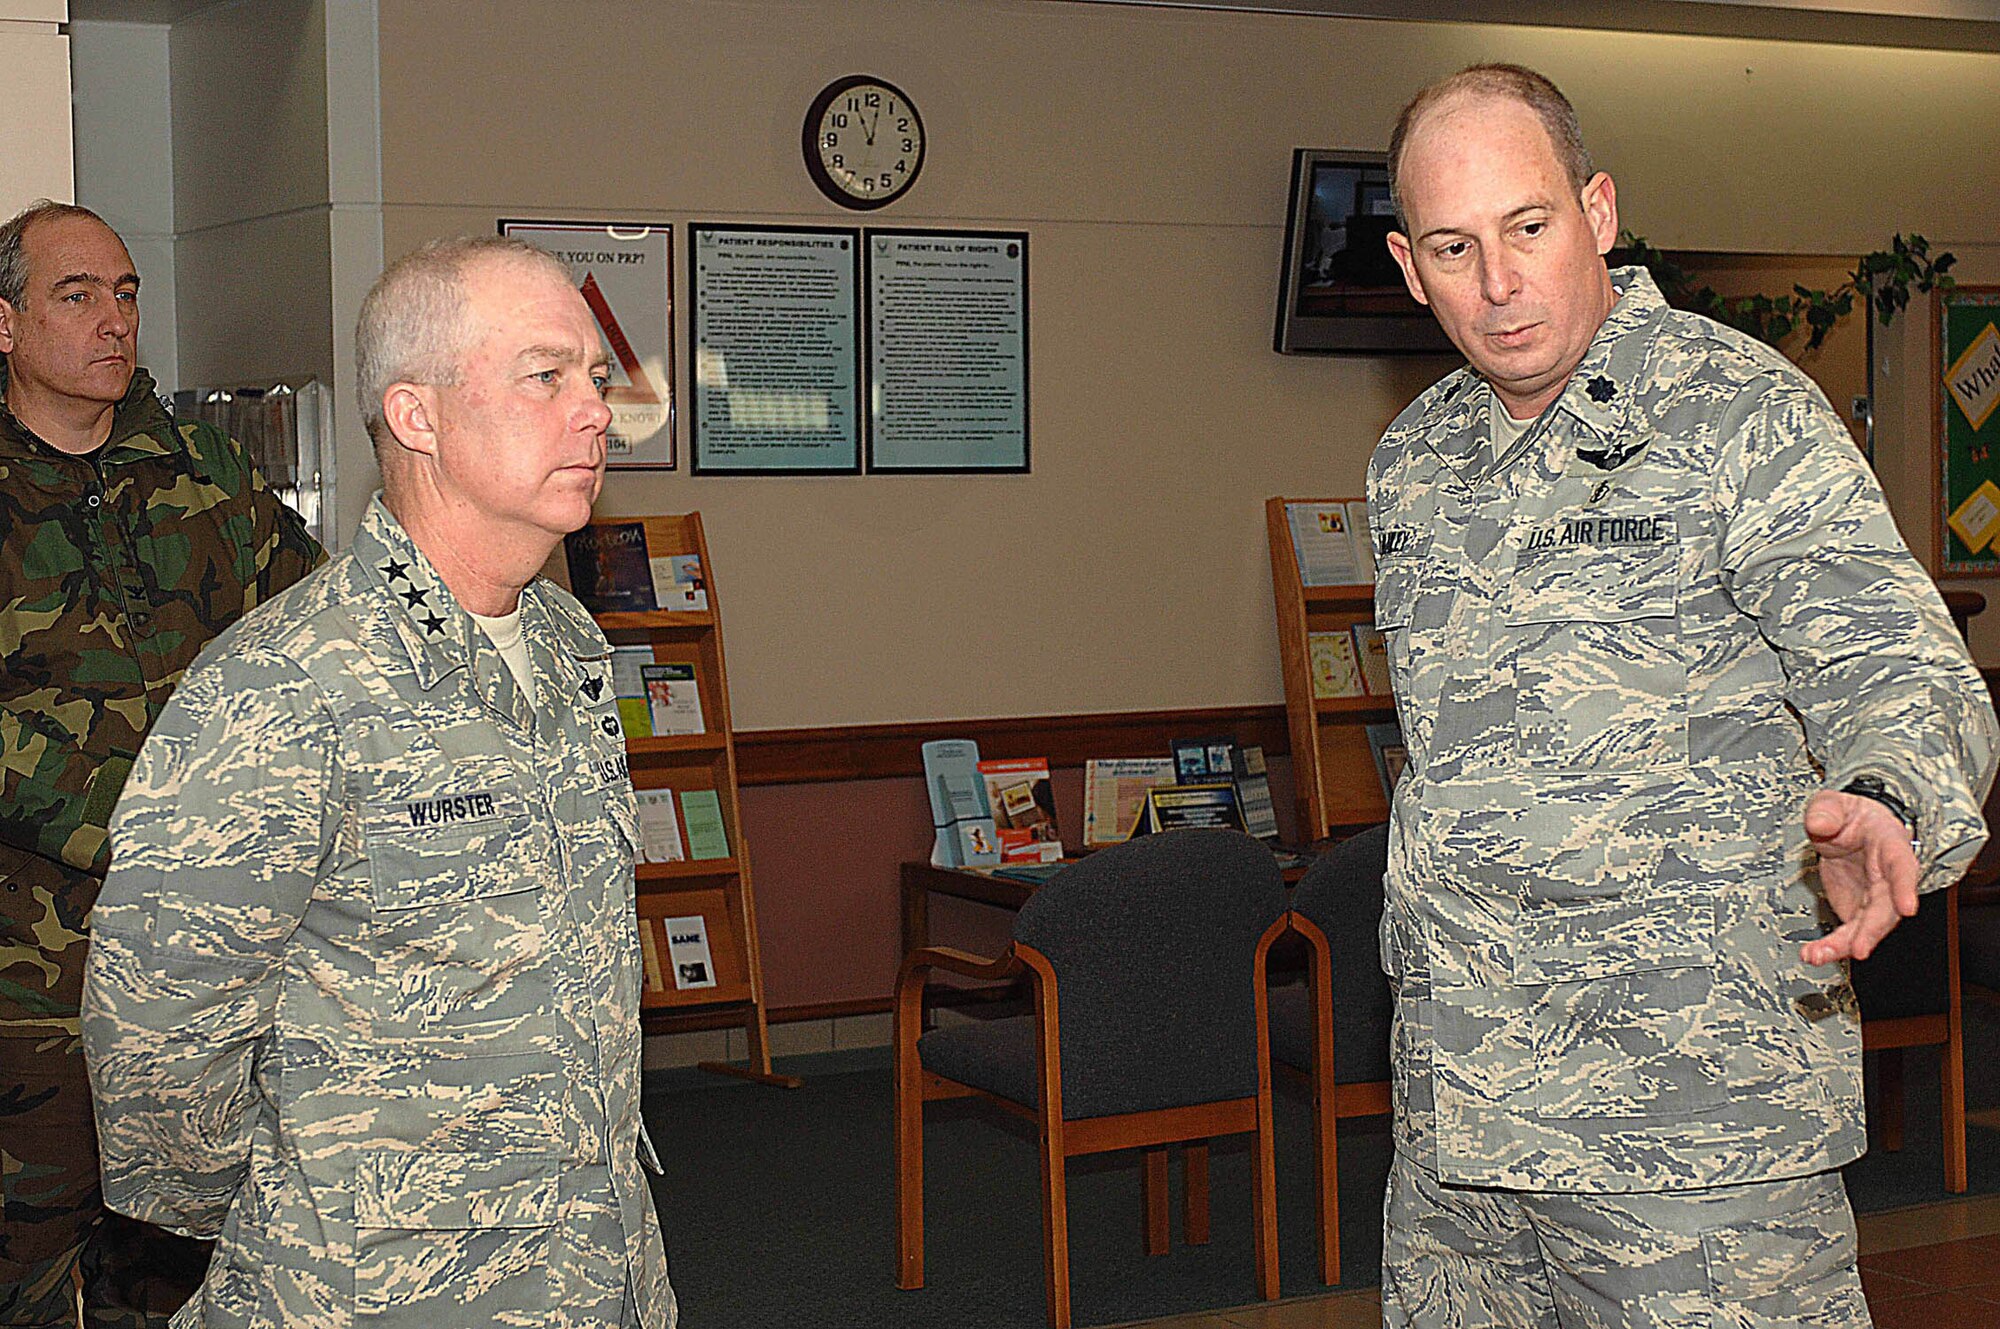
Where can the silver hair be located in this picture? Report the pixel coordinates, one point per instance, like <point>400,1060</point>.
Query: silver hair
<point>13,247</point>
<point>414,326</point>
<point>1512,83</point>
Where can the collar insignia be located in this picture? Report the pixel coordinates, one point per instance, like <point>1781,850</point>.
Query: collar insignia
<point>395,571</point>
<point>1601,389</point>
<point>433,625</point>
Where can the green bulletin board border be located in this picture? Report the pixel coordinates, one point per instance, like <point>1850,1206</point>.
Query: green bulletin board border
<point>1965,459</point>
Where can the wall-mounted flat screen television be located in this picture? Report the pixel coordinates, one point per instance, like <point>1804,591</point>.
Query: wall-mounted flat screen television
<point>1341,289</point>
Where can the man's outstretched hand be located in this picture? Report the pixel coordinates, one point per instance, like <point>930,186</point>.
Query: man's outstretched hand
<point>1867,870</point>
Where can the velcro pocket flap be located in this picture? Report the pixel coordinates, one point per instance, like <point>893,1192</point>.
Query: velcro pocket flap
<point>1597,583</point>
<point>446,1192</point>
<point>448,849</point>
<point>1576,942</point>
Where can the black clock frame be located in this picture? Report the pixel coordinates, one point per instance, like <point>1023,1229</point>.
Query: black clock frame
<point>809,143</point>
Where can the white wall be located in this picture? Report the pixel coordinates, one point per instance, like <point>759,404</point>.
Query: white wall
<point>35,132</point>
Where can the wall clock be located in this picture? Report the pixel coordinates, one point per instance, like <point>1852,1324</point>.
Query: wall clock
<point>864,142</point>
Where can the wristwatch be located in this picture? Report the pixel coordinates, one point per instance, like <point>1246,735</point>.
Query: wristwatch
<point>1871,786</point>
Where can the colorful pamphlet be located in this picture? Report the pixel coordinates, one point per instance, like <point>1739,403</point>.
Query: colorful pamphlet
<point>659,827</point>
<point>608,569</point>
<point>1114,792</point>
<point>1372,650</point>
<point>1190,807</point>
<point>628,685</point>
<point>678,584</point>
<point>1335,671</point>
<point>1024,809</point>
<point>1253,793</point>
<point>964,834</point>
<point>1324,544</point>
<point>1204,760</point>
<point>701,818</point>
<point>687,952</point>
<point>673,698</point>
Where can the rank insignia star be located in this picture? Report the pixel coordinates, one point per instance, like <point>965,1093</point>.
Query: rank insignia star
<point>395,571</point>
<point>415,595</point>
<point>1601,389</point>
<point>433,625</point>
<point>593,687</point>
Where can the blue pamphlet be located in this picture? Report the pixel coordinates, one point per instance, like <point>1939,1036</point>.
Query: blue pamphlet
<point>960,815</point>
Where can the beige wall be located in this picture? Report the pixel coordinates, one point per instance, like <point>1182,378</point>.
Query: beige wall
<point>35,129</point>
<point>1145,150</point>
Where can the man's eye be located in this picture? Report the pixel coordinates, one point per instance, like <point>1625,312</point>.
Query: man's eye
<point>1457,249</point>
<point>602,382</point>
<point>545,375</point>
<point>1534,228</point>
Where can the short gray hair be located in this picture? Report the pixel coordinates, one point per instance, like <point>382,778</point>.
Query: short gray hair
<point>13,246</point>
<point>1513,83</point>
<point>413,326</point>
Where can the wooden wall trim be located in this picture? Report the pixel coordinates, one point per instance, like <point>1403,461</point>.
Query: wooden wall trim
<point>890,751</point>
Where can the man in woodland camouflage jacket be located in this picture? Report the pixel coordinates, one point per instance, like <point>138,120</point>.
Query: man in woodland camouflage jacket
<point>1688,727</point>
<point>363,995</point>
<point>127,541</point>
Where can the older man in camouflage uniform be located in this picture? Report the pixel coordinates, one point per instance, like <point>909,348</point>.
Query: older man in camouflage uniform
<point>127,541</point>
<point>1674,691</point>
<point>363,1000</point>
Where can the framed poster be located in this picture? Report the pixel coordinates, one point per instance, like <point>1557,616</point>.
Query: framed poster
<point>626,273</point>
<point>1965,362</point>
<point>947,351</point>
<point>775,350</point>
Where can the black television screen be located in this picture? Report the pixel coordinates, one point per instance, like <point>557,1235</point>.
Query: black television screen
<point>1341,289</point>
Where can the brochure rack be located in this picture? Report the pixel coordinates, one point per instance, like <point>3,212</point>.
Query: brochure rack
<point>715,889</point>
<point>1333,769</point>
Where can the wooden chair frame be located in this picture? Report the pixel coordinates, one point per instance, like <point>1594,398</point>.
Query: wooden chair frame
<point>1887,1038</point>
<point>1060,1140</point>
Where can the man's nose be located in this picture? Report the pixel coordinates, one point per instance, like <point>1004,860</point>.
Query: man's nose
<point>119,320</point>
<point>1498,277</point>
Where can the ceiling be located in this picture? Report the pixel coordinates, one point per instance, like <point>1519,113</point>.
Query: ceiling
<point>1966,25</point>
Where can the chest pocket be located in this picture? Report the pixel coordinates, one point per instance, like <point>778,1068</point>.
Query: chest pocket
<point>459,884</point>
<point>1601,684</point>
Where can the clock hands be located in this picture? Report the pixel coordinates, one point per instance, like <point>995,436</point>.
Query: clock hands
<point>872,124</point>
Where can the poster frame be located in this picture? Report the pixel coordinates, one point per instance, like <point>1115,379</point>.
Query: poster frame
<point>1943,355</point>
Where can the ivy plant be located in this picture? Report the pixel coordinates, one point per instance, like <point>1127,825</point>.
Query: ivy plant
<point>1883,279</point>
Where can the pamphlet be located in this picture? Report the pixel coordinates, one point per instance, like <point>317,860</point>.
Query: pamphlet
<point>1364,543</point>
<point>1024,809</point>
<point>628,685</point>
<point>659,827</point>
<point>678,584</point>
<point>1114,792</point>
<point>1253,793</point>
<point>687,951</point>
<point>701,817</point>
<point>1385,743</point>
<point>1323,543</point>
<point>608,569</point>
<point>1372,650</point>
<point>1335,671</point>
<point>673,698</point>
<point>1204,760</point>
<point>1189,807</point>
<point>961,818</point>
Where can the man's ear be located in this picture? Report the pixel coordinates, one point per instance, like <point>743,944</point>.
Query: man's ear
<point>1399,247</point>
<point>1600,209</point>
<point>411,412</point>
<point>7,317</point>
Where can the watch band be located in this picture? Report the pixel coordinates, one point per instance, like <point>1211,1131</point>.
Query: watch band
<point>1870,786</point>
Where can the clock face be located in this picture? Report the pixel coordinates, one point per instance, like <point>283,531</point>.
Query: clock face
<point>864,142</point>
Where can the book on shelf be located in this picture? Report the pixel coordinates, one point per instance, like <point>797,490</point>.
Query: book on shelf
<point>1114,791</point>
<point>1323,541</point>
<point>649,950</point>
<point>628,686</point>
<point>1190,807</point>
<point>963,831</point>
<point>678,583</point>
<point>688,954</point>
<point>659,827</point>
<point>608,568</point>
<point>673,698</point>
<point>1253,792</point>
<point>1335,671</point>
<point>701,819</point>
<point>1385,744</point>
<point>1024,809</point>
<point>1372,650</point>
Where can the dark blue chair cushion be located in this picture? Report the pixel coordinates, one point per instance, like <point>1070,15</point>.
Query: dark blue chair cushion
<point>1342,895</point>
<point>1906,974</point>
<point>1153,943</point>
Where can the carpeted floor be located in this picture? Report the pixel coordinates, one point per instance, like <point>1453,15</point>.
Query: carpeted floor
<point>779,1209</point>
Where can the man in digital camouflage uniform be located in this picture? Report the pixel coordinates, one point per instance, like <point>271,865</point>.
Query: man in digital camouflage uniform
<point>363,996</point>
<point>127,541</point>
<point>1677,700</point>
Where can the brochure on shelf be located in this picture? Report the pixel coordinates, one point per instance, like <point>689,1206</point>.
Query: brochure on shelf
<point>673,698</point>
<point>1372,651</point>
<point>1204,760</point>
<point>659,827</point>
<point>608,569</point>
<point>1324,544</point>
<point>964,834</point>
<point>1024,809</point>
<point>1385,744</point>
<point>701,819</point>
<point>1114,793</point>
<point>687,952</point>
<point>1190,807</point>
<point>678,583</point>
<point>1253,792</point>
<point>1364,542</point>
<point>1335,671</point>
<point>628,686</point>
